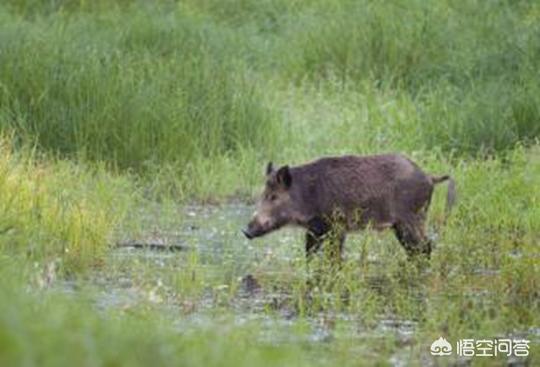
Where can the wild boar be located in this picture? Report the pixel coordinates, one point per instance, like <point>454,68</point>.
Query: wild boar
<point>336,195</point>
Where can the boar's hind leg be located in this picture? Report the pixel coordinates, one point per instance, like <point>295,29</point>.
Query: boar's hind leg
<point>412,237</point>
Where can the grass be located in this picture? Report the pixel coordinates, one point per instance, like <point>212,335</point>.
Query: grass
<point>156,91</point>
<point>74,210</point>
<point>189,308</point>
<point>70,331</point>
<point>115,114</point>
<point>188,83</point>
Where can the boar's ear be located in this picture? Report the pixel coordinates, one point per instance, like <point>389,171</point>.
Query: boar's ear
<point>283,177</point>
<point>269,168</point>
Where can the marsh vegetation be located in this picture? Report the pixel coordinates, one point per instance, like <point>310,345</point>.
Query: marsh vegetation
<point>142,121</point>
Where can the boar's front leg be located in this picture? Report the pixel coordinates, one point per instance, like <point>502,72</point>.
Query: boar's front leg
<point>317,229</point>
<point>313,244</point>
<point>320,230</point>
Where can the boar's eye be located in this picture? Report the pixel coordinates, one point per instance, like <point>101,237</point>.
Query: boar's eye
<point>273,197</point>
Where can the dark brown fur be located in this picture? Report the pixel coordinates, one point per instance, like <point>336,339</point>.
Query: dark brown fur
<point>336,195</point>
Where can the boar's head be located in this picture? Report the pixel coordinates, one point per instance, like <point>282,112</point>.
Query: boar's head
<point>276,206</point>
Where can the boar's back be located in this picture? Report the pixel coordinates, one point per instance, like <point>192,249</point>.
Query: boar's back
<point>381,189</point>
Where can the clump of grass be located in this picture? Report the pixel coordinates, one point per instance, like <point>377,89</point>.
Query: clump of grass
<point>483,119</point>
<point>413,45</point>
<point>472,80</point>
<point>185,94</point>
<point>58,212</point>
<point>161,89</point>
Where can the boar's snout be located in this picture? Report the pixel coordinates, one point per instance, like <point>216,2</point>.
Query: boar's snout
<point>247,233</point>
<point>256,229</point>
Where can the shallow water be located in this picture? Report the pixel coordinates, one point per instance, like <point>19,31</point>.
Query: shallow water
<point>216,266</point>
<point>221,278</point>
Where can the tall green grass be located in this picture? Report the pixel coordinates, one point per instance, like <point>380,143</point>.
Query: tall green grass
<point>56,214</point>
<point>174,86</point>
<point>470,67</point>
<point>159,89</point>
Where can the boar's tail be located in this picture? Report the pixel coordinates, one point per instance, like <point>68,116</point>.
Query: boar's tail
<point>451,194</point>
